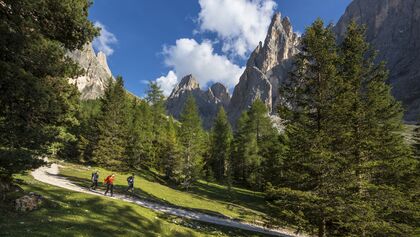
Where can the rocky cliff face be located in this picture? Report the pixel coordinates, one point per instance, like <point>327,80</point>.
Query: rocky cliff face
<point>208,102</point>
<point>267,67</point>
<point>393,28</point>
<point>97,73</point>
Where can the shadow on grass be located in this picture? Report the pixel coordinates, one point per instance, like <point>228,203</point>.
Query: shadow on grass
<point>68,214</point>
<point>139,193</point>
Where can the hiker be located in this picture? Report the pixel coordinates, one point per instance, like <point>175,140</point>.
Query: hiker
<point>130,181</point>
<point>110,184</point>
<point>94,178</point>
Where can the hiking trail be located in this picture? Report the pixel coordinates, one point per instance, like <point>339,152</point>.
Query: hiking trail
<point>50,175</point>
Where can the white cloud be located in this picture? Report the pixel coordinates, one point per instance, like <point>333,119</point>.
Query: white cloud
<point>167,83</point>
<point>188,56</point>
<point>240,24</point>
<point>105,40</point>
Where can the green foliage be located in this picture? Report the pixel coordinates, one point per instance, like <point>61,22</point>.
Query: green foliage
<point>192,138</point>
<point>37,104</point>
<point>348,170</point>
<point>220,147</point>
<point>171,156</point>
<point>112,127</point>
<point>258,149</point>
<point>156,100</point>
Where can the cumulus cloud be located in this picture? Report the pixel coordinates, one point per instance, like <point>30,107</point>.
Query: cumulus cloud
<point>168,82</point>
<point>105,40</point>
<point>240,24</point>
<point>188,56</point>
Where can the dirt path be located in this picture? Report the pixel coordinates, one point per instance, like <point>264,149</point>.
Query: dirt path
<point>50,176</point>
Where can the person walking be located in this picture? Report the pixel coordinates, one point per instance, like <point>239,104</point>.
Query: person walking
<point>130,181</point>
<point>109,180</point>
<point>94,178</point>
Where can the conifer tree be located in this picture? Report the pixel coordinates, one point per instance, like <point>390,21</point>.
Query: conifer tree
<point>112,123</point>
<point>257,146</point>
<point>311,168</point>
<point>243,148</point>
<point>377,152</point>
<point>156,100</point>
<point>192,139</point>
<point>348,170</point>
<point>220,147</point>
<point>134,151</point>
<point>36,101</point>
<point>171,158</point>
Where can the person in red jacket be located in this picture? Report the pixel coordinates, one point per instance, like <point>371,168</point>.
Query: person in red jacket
<point>110,184</point>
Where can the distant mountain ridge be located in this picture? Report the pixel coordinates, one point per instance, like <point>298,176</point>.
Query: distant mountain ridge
<point>392,28</point>
<point>208,102</point>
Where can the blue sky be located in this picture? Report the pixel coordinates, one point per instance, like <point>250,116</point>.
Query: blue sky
<point>164,39</point>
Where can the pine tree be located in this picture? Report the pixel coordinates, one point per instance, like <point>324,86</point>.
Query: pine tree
<point>220,148</point>
<point>112,123</point>
<point>192,139</point>
<point>156,100</point>
<point>36,101</point>
<point>171,159</point>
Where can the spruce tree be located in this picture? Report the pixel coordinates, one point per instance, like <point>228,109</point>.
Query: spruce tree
<point>348,170</point>
<point>192,139</point>
<point>112,124</point>
<point>245,149</point>
<point>36,101</point>
<point>220,146</point>
<point>378,154</point>
<point>312,170</point>
<point>257,147</point>
<point>171,157</point>
<point>156,100</point>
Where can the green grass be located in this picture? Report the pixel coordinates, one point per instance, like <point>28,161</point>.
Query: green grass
<point>205,197</point>
<point>67,213</point>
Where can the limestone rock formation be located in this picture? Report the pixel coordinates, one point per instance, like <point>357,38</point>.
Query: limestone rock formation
<point>267,67</point>
<point>208,102</point>
<point>97,73</point>
<point>393,28</point>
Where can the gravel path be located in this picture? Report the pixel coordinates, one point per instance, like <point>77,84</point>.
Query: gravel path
<point>50,176</point>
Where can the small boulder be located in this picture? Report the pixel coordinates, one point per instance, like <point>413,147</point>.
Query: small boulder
<point>28,202</point>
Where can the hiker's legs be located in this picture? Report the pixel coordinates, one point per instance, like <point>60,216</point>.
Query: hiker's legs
<point>94,185</point>
<point>112,189</point>
<point>107,189</point>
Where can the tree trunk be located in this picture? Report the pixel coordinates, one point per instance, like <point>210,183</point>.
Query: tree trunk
<point>321,229</point>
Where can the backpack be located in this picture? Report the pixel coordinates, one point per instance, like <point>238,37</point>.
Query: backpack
<point>130,179</point>
<point>107,179</point>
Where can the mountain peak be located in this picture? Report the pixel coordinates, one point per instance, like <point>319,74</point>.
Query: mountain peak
<point>189,82</point>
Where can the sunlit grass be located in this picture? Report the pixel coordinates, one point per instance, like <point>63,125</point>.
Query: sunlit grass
<point>205,197</point>
<point>68,213</point>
